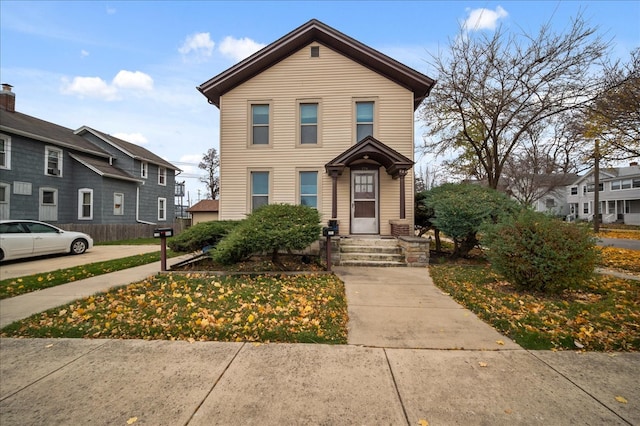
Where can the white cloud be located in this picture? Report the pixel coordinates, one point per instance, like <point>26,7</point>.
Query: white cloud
<point>483,19</point>
<point>96,87</point>
<point>135,80</point>
<point>111,10</point>
<point>137,138</point>
<point>200,44</point>
<point>239,49</point>
<point>84,53</point>
<point>92,87</point>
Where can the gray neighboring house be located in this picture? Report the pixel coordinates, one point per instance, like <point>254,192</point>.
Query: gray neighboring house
<point>55,174</point>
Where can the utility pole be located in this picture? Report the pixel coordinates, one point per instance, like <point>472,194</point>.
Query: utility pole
<point>596,188</point>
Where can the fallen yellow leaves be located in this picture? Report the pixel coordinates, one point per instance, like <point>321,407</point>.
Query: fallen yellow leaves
<point>621,399</point>
<point>621,259</point>
<point>299,308</point>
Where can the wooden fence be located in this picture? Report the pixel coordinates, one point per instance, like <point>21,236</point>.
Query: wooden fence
<point>117,232</point>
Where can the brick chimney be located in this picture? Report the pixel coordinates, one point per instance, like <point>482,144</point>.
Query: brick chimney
<point>7,98</point>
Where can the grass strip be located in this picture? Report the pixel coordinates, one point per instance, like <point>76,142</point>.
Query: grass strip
<point>602,315</point>
<point>20,285</point>
<point>286,308</point>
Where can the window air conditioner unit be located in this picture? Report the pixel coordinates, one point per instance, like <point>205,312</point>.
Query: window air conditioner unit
<point>54,172</point>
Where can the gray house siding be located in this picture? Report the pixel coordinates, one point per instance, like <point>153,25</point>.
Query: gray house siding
<point>128,191</point>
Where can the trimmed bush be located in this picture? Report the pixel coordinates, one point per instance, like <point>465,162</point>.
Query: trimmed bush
<point>460,210</point>
<point>537,252</point>
<point>271,229</point>
<point>201,235</point>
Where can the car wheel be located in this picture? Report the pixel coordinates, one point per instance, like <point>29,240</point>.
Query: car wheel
<point>1,255</point>
<point>78,246</point>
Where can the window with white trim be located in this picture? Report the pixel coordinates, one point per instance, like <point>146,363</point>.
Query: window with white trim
<point>4,200</point>
<point>144,170</point>
<point>5,152</point>
<point>574,190</point>
<point>52,161</point>
<point>162,176</point>
<point>85,204</point>
<point>162,209</point>
<point>118,203</point>
<point>585,208</point>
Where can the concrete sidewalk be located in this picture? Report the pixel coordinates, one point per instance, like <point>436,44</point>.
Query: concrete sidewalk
<point>398,368</point>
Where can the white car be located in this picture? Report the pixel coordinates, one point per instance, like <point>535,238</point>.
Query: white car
<point>28,238</point>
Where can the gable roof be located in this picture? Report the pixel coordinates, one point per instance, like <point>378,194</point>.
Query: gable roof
<point>610,173</point>
<point>132,150</point>
<point>103,168</point>
<point>44,131</point>
<point>371,149</point>
<point>316,31</point>
<point>203,206</point>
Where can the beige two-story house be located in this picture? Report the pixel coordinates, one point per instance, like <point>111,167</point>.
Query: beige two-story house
<point>320,119</point>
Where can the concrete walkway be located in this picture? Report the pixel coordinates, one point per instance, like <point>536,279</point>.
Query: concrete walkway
<point>397,369</point>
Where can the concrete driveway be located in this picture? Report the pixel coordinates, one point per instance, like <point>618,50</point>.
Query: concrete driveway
<point>38,265</point>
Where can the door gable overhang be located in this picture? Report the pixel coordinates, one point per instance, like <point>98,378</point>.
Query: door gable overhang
<point>370,150</point>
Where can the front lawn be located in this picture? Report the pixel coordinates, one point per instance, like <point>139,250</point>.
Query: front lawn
<point>195,306</point>
<point>602,315</point>
<point>20,285</point>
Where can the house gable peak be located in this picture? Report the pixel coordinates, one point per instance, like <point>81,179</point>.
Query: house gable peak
<point>316,31</point>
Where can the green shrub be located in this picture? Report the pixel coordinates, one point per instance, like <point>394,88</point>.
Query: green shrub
<point>537,252</point>
<point>271,228</point>
<point>460,210</point>
<point>201,235</point>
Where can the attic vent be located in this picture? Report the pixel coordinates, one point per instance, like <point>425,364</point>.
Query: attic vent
<point>315,51</point>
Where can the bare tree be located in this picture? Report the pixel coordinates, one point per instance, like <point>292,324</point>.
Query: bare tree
<point>493,88</point>
<point>614,117</point>
<point>211,163</point>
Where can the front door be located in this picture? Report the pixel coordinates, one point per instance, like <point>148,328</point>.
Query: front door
<point>364,202</point>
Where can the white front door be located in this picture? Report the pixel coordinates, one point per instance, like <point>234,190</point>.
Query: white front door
<point>364,202</point>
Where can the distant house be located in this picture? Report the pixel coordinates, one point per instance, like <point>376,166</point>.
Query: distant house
<point>54,174</point>
<point>318,118</point>
<point>619,195</point>
<point>204,211</point>
<point>542,192</point>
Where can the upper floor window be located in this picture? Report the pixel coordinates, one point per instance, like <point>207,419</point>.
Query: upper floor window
<point>85,204</point>
<point>162,209</point>
<point>625,184</point>
<point>144,170</point>
<point>574,190</point>
<point>260,124</point>
<point>162,176</point>
<point>591,186</point>
<point>550,203</point>
<point>364,120</point>
<point>309,123</point>
<point>259,189</point>
<point>309,189</point>
<point>53,161</point>
<point>5,152</point>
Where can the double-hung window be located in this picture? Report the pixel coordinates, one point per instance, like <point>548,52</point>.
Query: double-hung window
<point>53,161</point>
<point>162,209</point>
<point>260,124</point>
<point>309,189</point>
<point>144,170</point>
<point>259,189</point>
<point>308,123</point>
<point>162,176</point>
<point>85,204</point>
<point>364,120</point>
<point>118,203</point>
<point>5,152</point>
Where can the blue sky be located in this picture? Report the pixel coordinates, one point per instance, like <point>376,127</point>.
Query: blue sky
<point>130,68</point>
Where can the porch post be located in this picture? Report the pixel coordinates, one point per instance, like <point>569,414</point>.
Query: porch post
<point>334,194</point>
<point>402,173</point>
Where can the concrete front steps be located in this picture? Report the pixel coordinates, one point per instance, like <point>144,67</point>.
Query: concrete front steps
<point>372,251</point>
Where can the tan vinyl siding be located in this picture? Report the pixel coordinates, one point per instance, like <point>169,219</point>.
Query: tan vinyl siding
<point>336,82</point>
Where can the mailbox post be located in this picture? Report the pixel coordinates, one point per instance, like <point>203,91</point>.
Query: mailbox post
<point>330,231</point>
<point>163,234</point>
